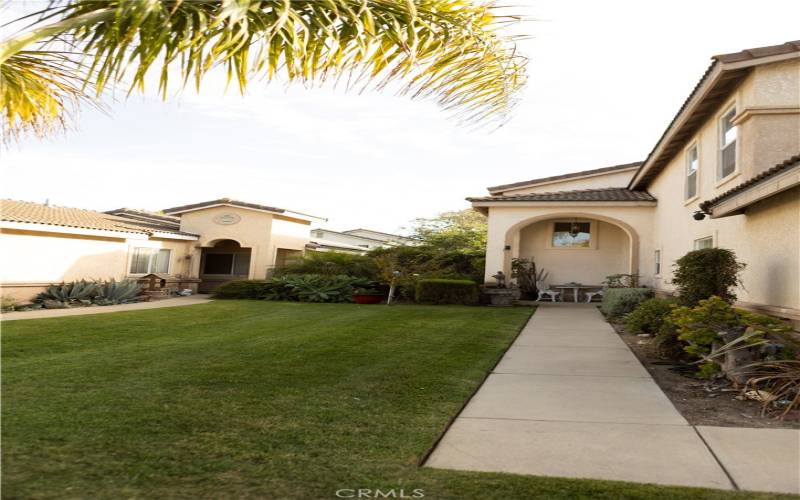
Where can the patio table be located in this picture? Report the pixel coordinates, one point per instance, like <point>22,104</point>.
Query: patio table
<point>576,289</point>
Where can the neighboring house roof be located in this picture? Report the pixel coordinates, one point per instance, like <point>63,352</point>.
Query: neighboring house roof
<point>582,173</point>
<point>322,243</point>
<point>715,86</point>
<point>754,182</point>
<point>236,203</point>
<point>603,194</point>
<point>390,235</point>
<point>144,215</point>
<point>346,233</point>
<point>47,215</point>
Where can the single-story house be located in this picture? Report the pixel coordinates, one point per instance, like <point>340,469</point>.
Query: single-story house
<point>725,173</point>
<point>198,246</point>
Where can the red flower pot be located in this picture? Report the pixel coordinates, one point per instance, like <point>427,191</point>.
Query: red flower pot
<point>367,298</point>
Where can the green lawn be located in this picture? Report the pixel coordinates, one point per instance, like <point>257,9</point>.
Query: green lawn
<point>256,399</point>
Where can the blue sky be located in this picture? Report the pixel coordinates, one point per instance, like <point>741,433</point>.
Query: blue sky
<point>605,79</point>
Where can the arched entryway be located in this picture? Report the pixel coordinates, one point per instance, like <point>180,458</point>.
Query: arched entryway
<point>223,261</point>
<point>574,246</point>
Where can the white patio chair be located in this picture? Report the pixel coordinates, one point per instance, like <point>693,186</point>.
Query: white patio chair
<point>592,295</point>
<point>544,289</point>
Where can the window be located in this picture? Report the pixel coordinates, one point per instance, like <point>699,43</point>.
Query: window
<point>150,260</point>
<point>572,234</point>
<point>692,162</point>
<point>707,242</point>
<point>657,259</point>
<point>727,145</point>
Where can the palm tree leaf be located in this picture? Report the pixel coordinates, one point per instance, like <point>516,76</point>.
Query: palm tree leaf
<point>448,50</point>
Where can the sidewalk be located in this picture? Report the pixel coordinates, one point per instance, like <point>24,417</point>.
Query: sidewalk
<point>80,311</point>
<point>569,399</point>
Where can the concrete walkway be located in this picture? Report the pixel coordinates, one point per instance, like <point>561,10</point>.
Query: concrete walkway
<point>569,399</point>
<point>80,311</point>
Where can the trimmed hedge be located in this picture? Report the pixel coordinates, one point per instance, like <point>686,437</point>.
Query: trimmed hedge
<point>618,302</point>
<point>242,289</point>
<point>444,291</point>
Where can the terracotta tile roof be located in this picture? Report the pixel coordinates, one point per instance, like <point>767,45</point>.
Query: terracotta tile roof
<point>37,213</point>
<point>771,172</point>
<point>721,82</point>
<point>145,215</point>
<point>600,195</point>
<point>222,201</point>
<point>771,50</point>
<point>582,173</point>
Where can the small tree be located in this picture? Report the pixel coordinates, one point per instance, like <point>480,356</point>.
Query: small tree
<point>701,274</point>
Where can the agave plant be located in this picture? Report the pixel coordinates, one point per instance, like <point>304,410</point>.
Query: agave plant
<point>449,50</point>
<point>117,292</point>
<point>69,292</point>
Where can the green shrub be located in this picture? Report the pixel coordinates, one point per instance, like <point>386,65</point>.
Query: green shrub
<point>701,274</point>
<point>332,264</point>
<point>649,316</point>
<point>241,289</point>
<point>446,291</point>
<point>618,302</point>
<point>700,326</point>
<point>301,288</point>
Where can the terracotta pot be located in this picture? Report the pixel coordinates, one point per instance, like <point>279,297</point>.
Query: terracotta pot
<point>367,298</point>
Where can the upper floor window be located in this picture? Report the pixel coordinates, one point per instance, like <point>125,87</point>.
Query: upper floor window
<point>657,259</point>
<point>572,234</point>
<point>727,145</point>
<point>150,260</point>
<point>692,162</point>
<point>703,243</point>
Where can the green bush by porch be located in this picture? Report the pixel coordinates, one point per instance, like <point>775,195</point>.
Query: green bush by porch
<point>618,302</point>
<point>444,291</point>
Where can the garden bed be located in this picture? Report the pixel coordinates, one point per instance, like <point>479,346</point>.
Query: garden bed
<point>701,402</point>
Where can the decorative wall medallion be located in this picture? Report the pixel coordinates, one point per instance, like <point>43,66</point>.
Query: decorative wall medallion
<point>227,219</point>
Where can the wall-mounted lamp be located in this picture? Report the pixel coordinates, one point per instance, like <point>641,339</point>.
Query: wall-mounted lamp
<point>699,215</point>
<point>507,248</point>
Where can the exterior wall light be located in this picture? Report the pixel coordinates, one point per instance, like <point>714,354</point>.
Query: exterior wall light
<point>699,215</point>
<point>507,248</point>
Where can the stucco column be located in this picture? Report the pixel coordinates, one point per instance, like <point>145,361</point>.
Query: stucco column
<point>495,255</point>
<point>194,264</point>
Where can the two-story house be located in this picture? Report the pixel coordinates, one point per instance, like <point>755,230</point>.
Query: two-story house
<point>725,173</point>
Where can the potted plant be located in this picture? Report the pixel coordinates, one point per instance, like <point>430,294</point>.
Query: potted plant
<point>368,296</point>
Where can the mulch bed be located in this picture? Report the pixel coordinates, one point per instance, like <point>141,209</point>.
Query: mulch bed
<point>700,401</point>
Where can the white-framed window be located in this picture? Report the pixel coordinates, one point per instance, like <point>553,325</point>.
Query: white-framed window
<point>572,235</point>
<point>657,261</point>
<point>150,260</point>
<point>727,144</point>
<point>692,164</point>
<point>707,242</point>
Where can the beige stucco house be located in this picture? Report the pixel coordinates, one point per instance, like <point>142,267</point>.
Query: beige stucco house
<point>730,157</point>
<point>197,246</point>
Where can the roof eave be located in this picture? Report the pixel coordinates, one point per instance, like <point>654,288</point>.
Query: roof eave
<point>737,70</point>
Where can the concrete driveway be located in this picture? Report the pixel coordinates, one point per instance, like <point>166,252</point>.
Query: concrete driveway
<point>569,399</point>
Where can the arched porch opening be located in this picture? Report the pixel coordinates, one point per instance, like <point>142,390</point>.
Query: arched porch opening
<point>222,261</point>
<point>574,246</point>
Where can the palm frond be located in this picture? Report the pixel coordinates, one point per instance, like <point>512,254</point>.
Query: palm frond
<point>39,92</point>
<point>448,50</point>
